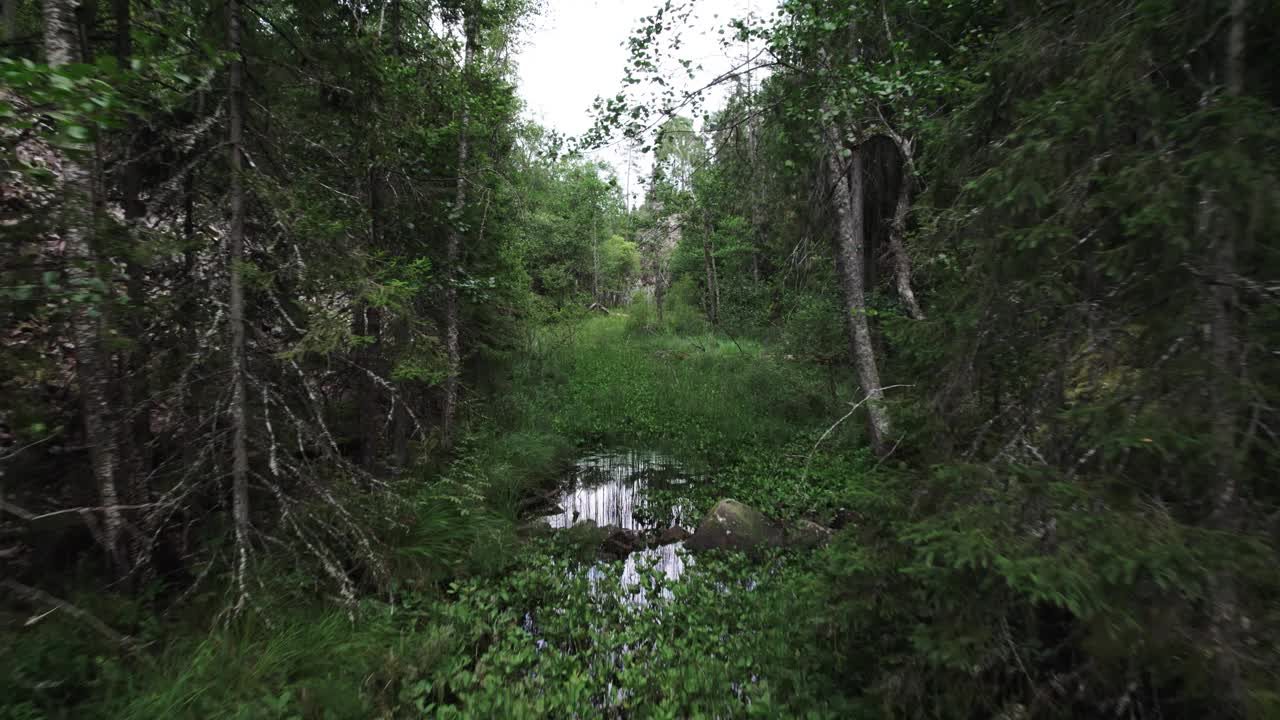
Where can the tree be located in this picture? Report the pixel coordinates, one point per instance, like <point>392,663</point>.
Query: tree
<point>235,302</point>
<point>471,30</point>
<point>61,34</point>
<point>850,237</point>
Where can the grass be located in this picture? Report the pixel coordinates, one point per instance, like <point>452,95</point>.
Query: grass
<point>704,398</point>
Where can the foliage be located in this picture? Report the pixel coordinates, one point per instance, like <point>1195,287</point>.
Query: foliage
<point>1074,517</point>
<point>702,397</point>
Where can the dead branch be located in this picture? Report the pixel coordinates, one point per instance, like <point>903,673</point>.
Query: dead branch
<point>35,595</point>
<point>852,409</point>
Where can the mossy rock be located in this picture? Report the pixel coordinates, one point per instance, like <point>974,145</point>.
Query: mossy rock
<point>733,526</point>
<point>807,535</point>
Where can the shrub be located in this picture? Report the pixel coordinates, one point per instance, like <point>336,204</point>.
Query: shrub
<point>683,313</point>
<point>641,315</point>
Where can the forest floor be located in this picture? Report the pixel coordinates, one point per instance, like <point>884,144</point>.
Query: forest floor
<point>486,619</point>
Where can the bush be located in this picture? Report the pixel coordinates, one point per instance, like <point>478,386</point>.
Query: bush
<point>1020,596</point>
<point>683,313</point>
<point>641,316</point>
<point>814,328</point>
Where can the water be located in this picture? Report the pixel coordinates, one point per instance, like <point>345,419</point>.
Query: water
<point>608,489</point>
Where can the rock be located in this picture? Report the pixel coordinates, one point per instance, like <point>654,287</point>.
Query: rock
<point>619,542</point>
<point>672,535</point>
<point>843,518</point>
<point>807,534</point>
<point>586,533</point>
<point>733,526</point>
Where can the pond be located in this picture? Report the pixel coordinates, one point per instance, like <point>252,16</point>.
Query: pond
<point>609,488</point>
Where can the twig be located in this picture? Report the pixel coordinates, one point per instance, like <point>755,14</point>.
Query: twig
<point>854,408</point>
<point>15,453</point>
<point>30,594</point>
<point>886,455</point>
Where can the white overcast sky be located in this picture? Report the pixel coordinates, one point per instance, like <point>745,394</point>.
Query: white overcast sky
<point>576,52</point>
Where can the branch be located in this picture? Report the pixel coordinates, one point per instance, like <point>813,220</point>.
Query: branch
<point>34,595</point>
<point>854,408</point>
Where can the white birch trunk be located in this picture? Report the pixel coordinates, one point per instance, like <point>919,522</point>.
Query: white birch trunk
<point>61,41</point>
<point>847,194</point>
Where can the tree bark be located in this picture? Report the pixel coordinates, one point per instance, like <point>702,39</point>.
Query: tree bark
<point>848,197</point>
<point>396,28</point>
<point>709,265</point>
<point>10,12</point>
<point>400,416</point>
<point>595,260</point>
<point>454,246</point>
<point>1223,386</point>
<point>368,323</point>
<point>135,441</point>
<point>659,287</point>
<point>897,231</point>
<point>235,246</point>
<point>61,40</point>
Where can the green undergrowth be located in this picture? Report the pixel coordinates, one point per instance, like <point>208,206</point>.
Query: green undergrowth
<point>704,398</point>
<point>787,482</point>
<point>951,591</point>
<point>447,634</point>
<point>550,639</point>
<point>546,638</point>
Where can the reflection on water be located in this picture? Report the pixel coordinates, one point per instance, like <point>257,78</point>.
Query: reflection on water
<point>605,488</point>
<point>665,557</point>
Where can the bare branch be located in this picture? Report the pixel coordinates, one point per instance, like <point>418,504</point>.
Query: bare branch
<point>35,595</point>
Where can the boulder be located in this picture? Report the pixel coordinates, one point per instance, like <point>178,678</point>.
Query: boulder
<point>586,533</point>
<point>733,526</point>
<point>619,542</point>
<point>807,534</point>
<point>672,535</point>
<point>843,518</point>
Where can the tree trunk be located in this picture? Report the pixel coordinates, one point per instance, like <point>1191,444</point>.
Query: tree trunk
<point>61,41</point>
<point>595,261</point>
<point>368,323</point>
<point>848,196</point>
<point>902,261</point>
<point>400,416</point>
<point>659,288</point>
<point>396,28</point>
<point>400,323</point>
<point>709,265</point>
<point>235,244</point>
<point>453,249</point>
<point>10,11</point>
<point>135,442</point>
<point>1217,227</point>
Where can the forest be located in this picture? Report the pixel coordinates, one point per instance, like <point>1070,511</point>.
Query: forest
<point>929,368</point>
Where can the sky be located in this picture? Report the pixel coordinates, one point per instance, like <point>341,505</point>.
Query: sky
<point>575,52</point>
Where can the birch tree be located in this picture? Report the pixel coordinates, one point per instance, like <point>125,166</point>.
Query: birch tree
<point>61,40</point>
